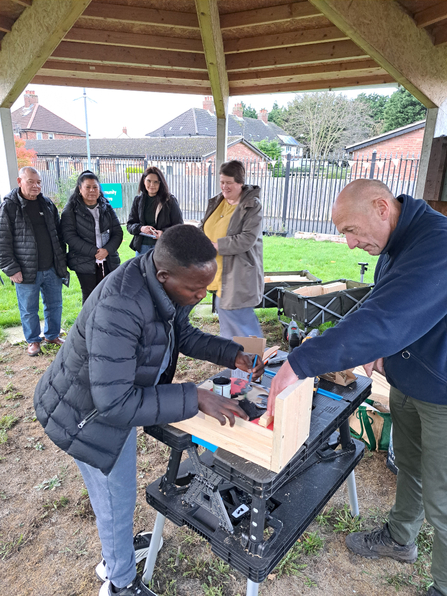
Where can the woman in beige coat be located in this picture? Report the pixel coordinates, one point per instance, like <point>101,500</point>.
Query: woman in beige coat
<point>233,223</point>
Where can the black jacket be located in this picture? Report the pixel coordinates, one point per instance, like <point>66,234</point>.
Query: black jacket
<point>18,246</point>
<point>168,214</point>
<point>102,382</point>
<point>78,229</point>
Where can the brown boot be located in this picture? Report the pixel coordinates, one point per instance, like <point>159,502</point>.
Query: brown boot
<point>58,341</point>
<point>33,348</point>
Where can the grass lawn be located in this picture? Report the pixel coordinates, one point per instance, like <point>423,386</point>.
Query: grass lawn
<point>326,260</point>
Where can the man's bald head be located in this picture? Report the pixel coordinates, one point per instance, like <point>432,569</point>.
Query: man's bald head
<point>367,213</point>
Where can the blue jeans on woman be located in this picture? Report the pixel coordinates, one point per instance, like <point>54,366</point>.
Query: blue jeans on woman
<point>113,500</point>
<point>49,284</point>
<point>144,249</point>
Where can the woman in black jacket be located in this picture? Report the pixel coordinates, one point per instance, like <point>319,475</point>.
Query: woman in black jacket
<point>93,233</point>
<point>153,211</point>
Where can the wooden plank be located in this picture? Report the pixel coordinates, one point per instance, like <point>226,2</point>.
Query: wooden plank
<point>322,52</point>
<point>293,408</point>
<point>431,15</point>
<point>265,16</point>
<point>36,33</point>
<point>278,40</point>
<point>209,23</point>
<point>124,85</point>
<point>317,85</point>
<point>133,56</point>
<point>391,37</point>
<point>440,36</point>
<point>135,14</point>
<point>134,40</point>
<point>6,23</point>
<point>336,286</point>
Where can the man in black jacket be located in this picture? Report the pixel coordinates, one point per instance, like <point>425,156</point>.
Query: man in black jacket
<point>32,254</point>
<point>115,373</point>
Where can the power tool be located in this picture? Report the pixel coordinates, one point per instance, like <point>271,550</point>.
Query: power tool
<point>294,335</point>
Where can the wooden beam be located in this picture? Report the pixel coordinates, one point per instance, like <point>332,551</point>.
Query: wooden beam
<point>124,85</point>
<point>83,69</point>
<point>135,14</point>
<point>24,3</point>
<point>87,52</point>
<point>209,23</point>
<point>431,15</point>
<point>344,68</point>
<point>390,36</point>
<point>134,40</point>
<point>321,52</point>
<point>36,33</point>
<point>266,16</point>
<point>8,159</point>
<point>280,40</point>
<point>439,35</point>
<point>316,85</point>
<point>6,23</point>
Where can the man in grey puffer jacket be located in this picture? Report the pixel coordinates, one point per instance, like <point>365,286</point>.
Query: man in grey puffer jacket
<point>114,373</point>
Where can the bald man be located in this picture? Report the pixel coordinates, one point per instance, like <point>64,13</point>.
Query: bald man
<point>401,331</point>
<point>32,254</point>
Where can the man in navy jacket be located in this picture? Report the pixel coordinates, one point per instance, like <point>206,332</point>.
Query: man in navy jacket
<point>400,331</point>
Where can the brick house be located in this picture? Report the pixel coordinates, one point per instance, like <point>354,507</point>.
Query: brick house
<point>403,141</point>
<point>202,122</point>
<point>33,121</point>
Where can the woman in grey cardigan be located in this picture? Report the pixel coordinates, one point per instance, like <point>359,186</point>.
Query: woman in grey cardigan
<point>233,223</point>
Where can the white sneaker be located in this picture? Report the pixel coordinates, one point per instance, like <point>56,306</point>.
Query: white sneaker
<point>141,542</point>
<point>136,588</point>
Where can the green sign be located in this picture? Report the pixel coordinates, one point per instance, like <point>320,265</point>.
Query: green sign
<point>114,193</point>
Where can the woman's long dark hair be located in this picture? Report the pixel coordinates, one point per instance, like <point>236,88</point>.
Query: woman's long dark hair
<point>86,175</point>
<point>163,190</point>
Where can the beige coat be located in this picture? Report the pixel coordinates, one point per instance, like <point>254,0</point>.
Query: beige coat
<point>241,250</point>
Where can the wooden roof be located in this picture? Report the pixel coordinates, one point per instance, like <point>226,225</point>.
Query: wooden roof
<point>237,46</point>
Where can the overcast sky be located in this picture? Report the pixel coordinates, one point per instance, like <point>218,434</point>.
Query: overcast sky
<point>139,111</point>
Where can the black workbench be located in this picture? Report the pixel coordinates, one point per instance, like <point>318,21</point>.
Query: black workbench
<point>264,512</point>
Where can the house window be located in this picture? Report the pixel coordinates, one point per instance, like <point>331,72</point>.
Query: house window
<point>51,135</point>
<point>39,136</point>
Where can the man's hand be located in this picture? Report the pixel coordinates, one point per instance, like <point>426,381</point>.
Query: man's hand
<point>245,362</point>
<point>101,254</point>
<point>17,278</point>
<point>218,407</point>
<point>283,378</point>
<point>377,365</point>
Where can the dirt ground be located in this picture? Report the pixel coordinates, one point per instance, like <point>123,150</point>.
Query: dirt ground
<point>49,544</point>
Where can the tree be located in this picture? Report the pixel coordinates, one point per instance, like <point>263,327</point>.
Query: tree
<point>24,156</point>
<point>276,114</point>
<point>248,111</point>
<point>274,151</point>
<point>402,109</point>
<point>326,122</point>
<point>375,105</point>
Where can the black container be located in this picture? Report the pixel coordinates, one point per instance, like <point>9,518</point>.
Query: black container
<point>271,289</point>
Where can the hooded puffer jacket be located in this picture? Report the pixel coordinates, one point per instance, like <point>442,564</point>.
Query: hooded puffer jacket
<point>18,246</point>
<point>102,382</point>
<point>78,229</point>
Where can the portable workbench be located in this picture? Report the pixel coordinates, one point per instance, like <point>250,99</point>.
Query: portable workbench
<point>252,516</point>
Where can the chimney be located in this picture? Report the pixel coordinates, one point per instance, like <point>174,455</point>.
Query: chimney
<point>237,110</point>
<point>125,130</point>
<point>263,115</point>
<point>30,97</point>
<point>208,104</point>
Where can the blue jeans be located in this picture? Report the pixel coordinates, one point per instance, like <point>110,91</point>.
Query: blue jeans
<point>144,249</point>
<point>113,499</point>
<point>50,286</point>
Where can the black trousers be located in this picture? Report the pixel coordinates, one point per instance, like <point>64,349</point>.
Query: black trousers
<point>89,281</point>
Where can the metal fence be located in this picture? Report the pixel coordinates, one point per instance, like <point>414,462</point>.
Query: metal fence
<point>297,194</point>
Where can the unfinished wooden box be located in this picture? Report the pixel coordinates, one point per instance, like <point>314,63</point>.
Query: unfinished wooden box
<point>269,447</point>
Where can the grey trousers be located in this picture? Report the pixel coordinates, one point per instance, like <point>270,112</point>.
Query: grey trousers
<point>241,322</point>
<point>113,499</point>
<point>420,447</point>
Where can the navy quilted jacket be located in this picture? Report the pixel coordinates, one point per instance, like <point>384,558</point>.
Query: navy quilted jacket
<point>101,383</point>
<point>18,247</point>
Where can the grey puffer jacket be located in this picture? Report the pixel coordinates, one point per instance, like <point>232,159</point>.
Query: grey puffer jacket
<point>102,382</point>
<point>18,246</point>
<point>241,249</point>
<point>78,229</point>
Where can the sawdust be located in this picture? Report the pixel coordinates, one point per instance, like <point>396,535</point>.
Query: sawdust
<point>48,540</point>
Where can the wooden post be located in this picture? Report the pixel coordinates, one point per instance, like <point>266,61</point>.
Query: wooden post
<point>8,161</point>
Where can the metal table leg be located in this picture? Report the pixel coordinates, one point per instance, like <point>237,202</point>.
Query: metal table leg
<point>153,548</point>
<point>252,588</point>
<point>345,438</point>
